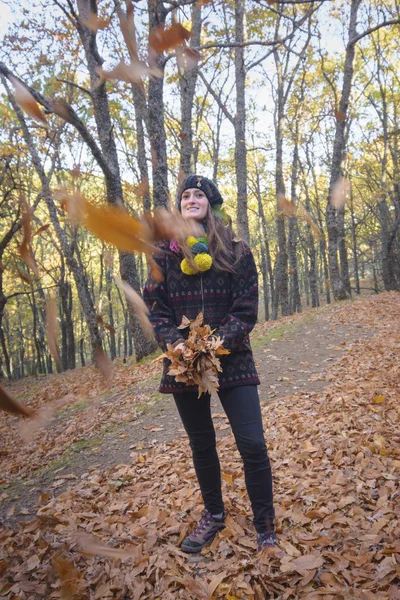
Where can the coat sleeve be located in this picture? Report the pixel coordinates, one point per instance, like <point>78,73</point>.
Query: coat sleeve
<point>161,316</point>
<point>242,315</point>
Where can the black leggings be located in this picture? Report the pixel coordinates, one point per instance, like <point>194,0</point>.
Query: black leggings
<point>242,407</point>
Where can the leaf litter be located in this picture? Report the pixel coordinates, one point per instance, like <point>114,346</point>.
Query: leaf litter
<point>335,457</point>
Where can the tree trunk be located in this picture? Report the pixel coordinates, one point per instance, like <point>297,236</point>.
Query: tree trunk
<point>338,286</point>
<point>295,300</point>
<point>354,240</point>
<point>344,261</point>
<point>113,348</point>
<point>240,123</point>
<point>281,265</point>
<point>187,84</point>
<point>158,140</point>
<point>265,241</point>
<point>128,271</point>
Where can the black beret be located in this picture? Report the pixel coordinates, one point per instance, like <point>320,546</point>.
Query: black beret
<point>205,185</point>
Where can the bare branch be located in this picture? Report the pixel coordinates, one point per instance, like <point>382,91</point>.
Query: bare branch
<point>217,98</point>
<point>75,85</point>
<point>358,37</point>
<point>68,114</point>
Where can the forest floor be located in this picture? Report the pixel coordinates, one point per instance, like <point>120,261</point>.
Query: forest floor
<point>95,503</point>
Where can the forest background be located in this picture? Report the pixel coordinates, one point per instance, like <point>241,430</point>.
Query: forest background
<point>291,107</point>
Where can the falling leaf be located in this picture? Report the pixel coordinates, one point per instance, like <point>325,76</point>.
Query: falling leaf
<point>89,545</point>
<point>41,229</point>
<point>68,576</point>
<point>75,172</point>
<point>155,270</point>
<point>9,405</point>
<point>64,110</point>
<point>138,306</point>
<point>51,328</point>
<point>130,73</point>
<point>103,363</point>
<point>187,58</point>
<point>111,224</point>
<point>302,212</point>
<point>26,101</point>
<point>340,192</point>
<point>293,210</point>
<point>25,249</point>
<point>94,22</point>
<point>169,224</point>
<point>286,206</point>
<point>340,115</point>
<point>162,39</point>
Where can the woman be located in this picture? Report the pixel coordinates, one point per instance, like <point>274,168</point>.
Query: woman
<point>215,274</point>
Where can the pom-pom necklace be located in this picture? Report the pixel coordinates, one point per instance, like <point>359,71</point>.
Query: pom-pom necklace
<point>201,257</point>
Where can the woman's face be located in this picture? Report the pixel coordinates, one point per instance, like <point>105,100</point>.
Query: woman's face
<point>194,204</point>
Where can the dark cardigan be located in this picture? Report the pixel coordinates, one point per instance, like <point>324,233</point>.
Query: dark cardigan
<point>228,301</point>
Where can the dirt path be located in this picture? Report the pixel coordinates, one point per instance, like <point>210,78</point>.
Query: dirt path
<point>293,356</point>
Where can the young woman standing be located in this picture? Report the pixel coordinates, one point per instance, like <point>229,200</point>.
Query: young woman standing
<point>220,280</point>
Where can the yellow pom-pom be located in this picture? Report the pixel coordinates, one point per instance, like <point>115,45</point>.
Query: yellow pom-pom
<point>186,268</point>
<point>203,262</point>
<point>191,241</point>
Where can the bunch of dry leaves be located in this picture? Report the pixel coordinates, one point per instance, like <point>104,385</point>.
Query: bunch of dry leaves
<point>195,361</point>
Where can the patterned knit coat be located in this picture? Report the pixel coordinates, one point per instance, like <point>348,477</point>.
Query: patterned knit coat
<point>229,302</point>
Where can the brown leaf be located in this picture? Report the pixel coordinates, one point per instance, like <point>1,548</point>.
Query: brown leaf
<point>166,39</point>
<point>130,73</point>
<point>138,306</point>
<point>169,224</point>
<point>41,229</point>
<point>75,172</point>
<point>214,583</point>
<point>112,224</point>
<point>103,363</point>
<point>187,58</point>
<point>26,101</point>
<point>63,109</point>
<point>9,405</point>
<point>68,576</point>
<point>94,22</point>
<point>110,328</point>
<point>155,270</point>
<point>307,562</point>
<point>340,192</point>
<point>127,25</point>
<point>340,115</point>
<point>90,546</point>
<point>52,328</point>
<point>286,206</point>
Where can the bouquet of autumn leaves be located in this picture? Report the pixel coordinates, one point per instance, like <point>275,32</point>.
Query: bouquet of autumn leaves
<point>195,361</point>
